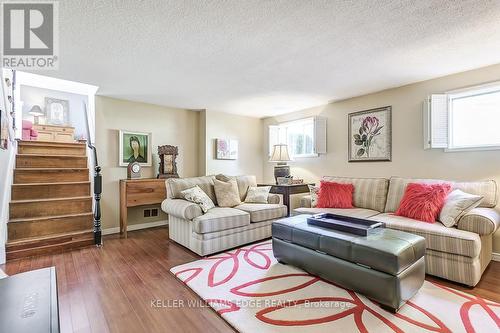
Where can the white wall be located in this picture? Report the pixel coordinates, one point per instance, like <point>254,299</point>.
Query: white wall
<point>409,157</point>
<point>249,133</point>
<point>169,126</point>
<point>31,96</point>
<point>6,164</point>
<point>192,131</point>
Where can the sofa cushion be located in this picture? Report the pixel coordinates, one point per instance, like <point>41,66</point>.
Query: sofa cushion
<point>487,189</point>
<point>437,236</point>
<point>263,212</point>
<point>244,182</point>
<point>227,193</point>
<point>313,195</point>
<point>176,185</point>
<point>217,219</point>
<point>27,125</point>
<point>369,193</point>
<point>354,212</point>
<point>457,204</point>
<point>335,195</point>
<point>423,202</point>
<point>257,194</point>
<point>195,194</point>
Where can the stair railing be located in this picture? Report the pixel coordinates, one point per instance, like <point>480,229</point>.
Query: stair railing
<point>97,185</point>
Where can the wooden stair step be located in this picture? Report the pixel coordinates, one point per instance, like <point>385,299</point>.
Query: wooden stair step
<point>48,244</point>
<point>23,228</point>
<point>50,161</point>
<point>50,175</point>
<point>49,207</point>
<point>50,190</point>
<point>52,148</point>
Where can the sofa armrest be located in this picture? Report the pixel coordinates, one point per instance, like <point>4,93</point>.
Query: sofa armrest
<point>305,201</point>
<point>482,221</point>
<point>273,198</point>
<point>181,208</point>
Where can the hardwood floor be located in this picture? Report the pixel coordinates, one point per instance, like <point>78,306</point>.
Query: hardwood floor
<point>110,289</point>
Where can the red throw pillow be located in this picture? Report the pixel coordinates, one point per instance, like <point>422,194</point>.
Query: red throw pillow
<point>335,195</point>
<point>423,201</point>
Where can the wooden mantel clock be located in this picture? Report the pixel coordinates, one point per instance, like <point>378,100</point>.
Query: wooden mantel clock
<point>168,165</point>
<point>134,170</point>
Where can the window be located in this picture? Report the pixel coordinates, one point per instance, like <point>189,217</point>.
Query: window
<point>299,135</point>
<point>464,119</point>
<point>472,118</point>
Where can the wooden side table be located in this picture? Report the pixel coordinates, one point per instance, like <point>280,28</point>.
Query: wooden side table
<point>287,191</point>
<point>139,192</point>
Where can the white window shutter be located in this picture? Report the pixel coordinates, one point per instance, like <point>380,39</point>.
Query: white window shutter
<point>426,122</point>
<point>320,135</point>
<point>435,121</point>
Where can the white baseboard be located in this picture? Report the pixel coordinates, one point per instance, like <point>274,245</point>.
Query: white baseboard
<point>496,256</point>
<point>116,230</point>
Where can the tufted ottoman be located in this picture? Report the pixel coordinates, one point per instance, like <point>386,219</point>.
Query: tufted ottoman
<point>386,266</point>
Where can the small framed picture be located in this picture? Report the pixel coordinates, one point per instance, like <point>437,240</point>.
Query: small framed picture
<point>135,147</point>
<point>370,136</point>
<point>57,111</point>
<point>226,149</point>
<point>168,165</point>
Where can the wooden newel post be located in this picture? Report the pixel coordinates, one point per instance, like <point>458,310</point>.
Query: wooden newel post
<point>97,207</point>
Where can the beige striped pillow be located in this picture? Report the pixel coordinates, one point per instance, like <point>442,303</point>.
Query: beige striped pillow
<point>457,204</point>
<point>227,193</point>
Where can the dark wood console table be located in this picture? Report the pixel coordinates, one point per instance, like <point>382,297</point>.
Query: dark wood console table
<point>29,302</point>
<point>139,192</point>
<point>287,190</point>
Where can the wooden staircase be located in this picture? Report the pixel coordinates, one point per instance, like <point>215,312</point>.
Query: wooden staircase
<point>51,205</point>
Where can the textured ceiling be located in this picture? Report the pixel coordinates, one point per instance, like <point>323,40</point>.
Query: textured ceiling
<point>263,58</point>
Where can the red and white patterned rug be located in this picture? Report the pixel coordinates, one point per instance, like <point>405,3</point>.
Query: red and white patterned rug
<point>255,293</point>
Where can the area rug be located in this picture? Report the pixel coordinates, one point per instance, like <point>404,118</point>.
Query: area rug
<point>255,293</point>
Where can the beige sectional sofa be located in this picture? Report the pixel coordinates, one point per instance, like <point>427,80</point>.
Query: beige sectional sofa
<point>460,254</point>
<point>219,228</point>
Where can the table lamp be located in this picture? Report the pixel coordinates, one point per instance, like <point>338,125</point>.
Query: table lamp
<point>36,112</point>
<point>280,155</point>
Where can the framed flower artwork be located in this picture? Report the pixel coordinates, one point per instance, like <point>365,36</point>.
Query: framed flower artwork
<point>226,149</point>
<point>370,135</point>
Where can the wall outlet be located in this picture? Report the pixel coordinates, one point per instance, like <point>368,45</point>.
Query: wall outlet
<point>154,212</point>
<point>147,212</point>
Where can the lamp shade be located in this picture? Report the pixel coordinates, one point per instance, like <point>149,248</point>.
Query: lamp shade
<point>280,153</point>
<point>36,111</point>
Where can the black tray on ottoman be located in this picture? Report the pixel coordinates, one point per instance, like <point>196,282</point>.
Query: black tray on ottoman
<point>352,225</point>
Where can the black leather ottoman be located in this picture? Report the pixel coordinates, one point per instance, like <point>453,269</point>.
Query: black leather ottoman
<point>386,266</point>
